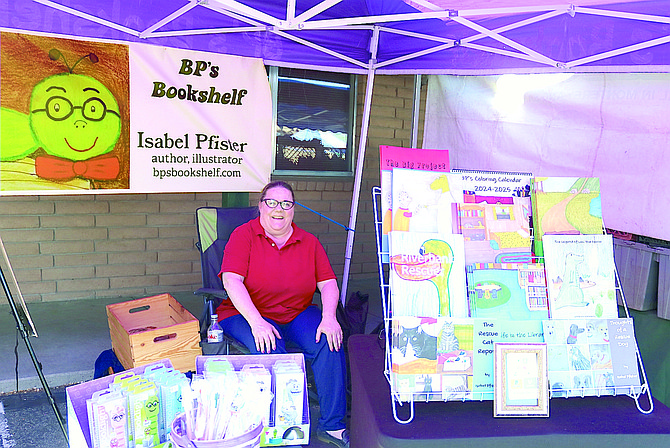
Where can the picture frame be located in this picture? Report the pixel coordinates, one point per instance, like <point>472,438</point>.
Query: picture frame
<point>520,380</point>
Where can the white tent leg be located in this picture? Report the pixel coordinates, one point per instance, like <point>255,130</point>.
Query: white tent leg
<point>359,164</point>
<point>416,107</point>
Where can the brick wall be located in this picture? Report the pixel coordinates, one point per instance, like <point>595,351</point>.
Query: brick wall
<point>135,245</point>
<point>89,246</point>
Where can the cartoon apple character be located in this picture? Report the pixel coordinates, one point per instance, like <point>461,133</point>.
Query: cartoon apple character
<point>74,118</point>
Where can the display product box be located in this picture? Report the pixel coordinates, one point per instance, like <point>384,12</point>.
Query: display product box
<point>153,328</point>
<point>275,433</point>
<point>79,434</point>
<point>637,265</point>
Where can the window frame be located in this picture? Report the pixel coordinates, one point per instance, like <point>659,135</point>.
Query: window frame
<point>273,77</point>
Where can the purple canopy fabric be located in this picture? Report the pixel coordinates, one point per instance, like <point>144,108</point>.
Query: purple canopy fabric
<point>519,36</point>
<point>471,37</point>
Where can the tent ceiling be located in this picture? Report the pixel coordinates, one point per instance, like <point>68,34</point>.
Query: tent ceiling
<point>377,36</point>
<point>388,36</point>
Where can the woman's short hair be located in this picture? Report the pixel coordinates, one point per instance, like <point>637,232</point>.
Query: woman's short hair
<point>274,184</point>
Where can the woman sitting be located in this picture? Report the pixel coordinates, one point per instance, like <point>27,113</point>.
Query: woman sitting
<point>271,269</point>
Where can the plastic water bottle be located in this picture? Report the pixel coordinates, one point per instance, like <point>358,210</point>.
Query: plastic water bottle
<point>214,332</point>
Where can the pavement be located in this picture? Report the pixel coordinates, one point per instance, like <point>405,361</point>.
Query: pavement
<point>71,335</point>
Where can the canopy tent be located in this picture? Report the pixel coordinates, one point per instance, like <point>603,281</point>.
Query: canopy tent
<point>467,37</point>
<point>387,36</point>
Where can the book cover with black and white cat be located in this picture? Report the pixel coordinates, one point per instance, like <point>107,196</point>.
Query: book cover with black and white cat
<point>432,357</point>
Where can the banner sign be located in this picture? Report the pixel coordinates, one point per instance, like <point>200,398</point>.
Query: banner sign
<point>98,117</point>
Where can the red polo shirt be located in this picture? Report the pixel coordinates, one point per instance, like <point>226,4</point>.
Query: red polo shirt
<point>281,282</point>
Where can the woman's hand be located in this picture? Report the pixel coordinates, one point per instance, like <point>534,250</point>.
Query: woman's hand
<point>330,297</point>
<point>333,332</point>
<point>265,335</point>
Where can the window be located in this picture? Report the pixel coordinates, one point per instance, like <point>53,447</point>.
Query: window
<point>314,122</point>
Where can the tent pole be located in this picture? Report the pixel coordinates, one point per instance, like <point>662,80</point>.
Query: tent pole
<point>20,326</point>
<point>359,163</point>
<point>416,106</point>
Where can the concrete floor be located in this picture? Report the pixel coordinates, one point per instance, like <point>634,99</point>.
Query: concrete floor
<point>71,335</point>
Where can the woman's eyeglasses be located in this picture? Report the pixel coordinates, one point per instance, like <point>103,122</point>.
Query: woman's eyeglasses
<point>273,203</point>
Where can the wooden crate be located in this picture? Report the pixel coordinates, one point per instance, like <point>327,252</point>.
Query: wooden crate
<point>154,328</point>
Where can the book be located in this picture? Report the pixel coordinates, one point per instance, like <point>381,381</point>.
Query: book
<point>591,357</point>
<point>494,216</point>
<point>496,233</point>
<point>427,275</point>
<point>414,345</point>
<point>513,291</point>
<point>455,358</point>
<point>425,201</point>
<point>580,276</point>
<point>432,359</point>
<point>409,158</point>
<point>565,206</point>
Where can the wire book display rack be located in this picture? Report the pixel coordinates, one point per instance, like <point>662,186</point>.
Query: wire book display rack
<point>403,398</point>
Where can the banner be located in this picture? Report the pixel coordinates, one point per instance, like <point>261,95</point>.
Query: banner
<point>98,117</point>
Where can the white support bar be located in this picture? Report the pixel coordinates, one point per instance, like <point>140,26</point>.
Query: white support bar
<point>234,15</point>
<point>512,10</point>
<point>178,13</point>
<point>620,51</point>
<point>242,29</point>
<point>315,10</point>
<point>515,25</point>
<point>512,54</point>
<point>369,20</point>
<point>423,4</point>
<point>440,14</point>
<point>360,161</point>
<point>522,48</point>
<point>623,15</point>
<point>416,109</point>
<point>247,11</point>
<point>322,68</point>
<point>475,37</point>
<point>290,10</point>
<point>414,55</point>
<point>317,47</point>
<point>449,43</point>
<point>90,17</point>
<point>443,40</point>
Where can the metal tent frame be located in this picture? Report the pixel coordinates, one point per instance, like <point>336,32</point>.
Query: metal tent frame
<point>435,38</point>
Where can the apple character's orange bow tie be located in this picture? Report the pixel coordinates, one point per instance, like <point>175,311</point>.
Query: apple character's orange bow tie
<point>98,168</point>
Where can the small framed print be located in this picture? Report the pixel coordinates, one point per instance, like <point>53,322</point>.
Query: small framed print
<point>520,382</point>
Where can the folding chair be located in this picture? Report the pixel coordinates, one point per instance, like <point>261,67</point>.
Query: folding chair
<point>214,225</point>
